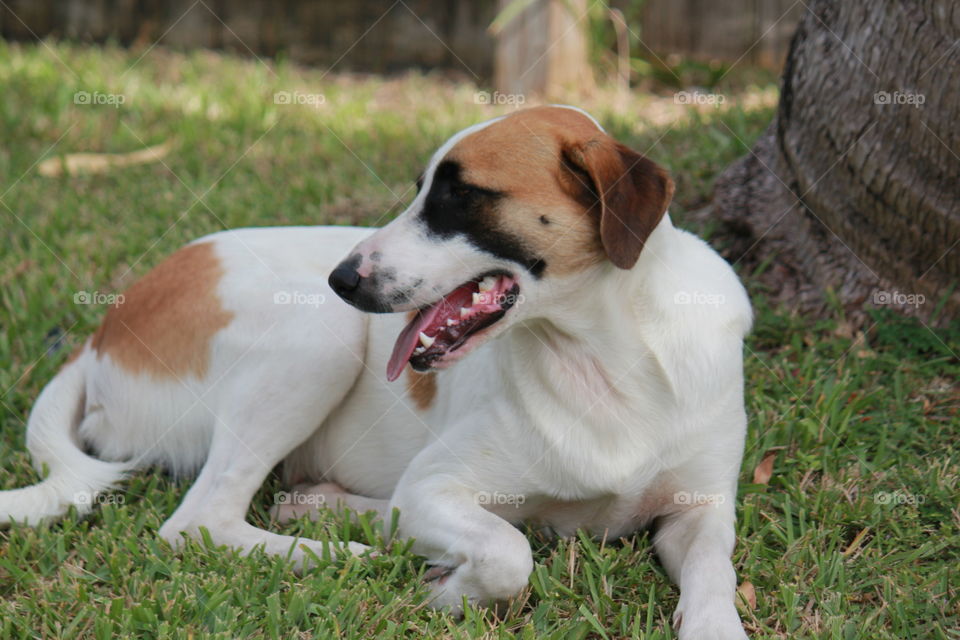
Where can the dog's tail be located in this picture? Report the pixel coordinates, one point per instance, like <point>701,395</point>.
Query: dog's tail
<point>74,477</point>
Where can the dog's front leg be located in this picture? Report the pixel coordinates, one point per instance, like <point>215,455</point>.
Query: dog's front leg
<point>473,552</point>
<point>694,547</point>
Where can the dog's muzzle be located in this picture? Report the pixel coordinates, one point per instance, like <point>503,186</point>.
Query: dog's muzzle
<point>362,293</point>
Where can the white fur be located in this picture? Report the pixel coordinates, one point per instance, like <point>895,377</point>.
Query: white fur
<point>604,399</point>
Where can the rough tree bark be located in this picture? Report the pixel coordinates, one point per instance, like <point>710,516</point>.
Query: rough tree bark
<point>855,186</point>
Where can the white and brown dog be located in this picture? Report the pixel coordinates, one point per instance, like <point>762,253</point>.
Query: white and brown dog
<point>612,397</point>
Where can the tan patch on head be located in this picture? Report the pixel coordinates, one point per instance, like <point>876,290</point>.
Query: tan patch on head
<point>167,319</point>
<point>522,156</point>
<point>551,163</point>
<point>421,387</point>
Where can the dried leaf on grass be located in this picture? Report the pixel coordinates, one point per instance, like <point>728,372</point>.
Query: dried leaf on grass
<point>76,163</point>
<point>764,470</point>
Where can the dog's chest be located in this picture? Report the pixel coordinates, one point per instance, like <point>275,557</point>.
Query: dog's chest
<point>608,516</point>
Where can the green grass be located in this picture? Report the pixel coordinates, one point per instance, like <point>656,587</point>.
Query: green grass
<point>854,421</point>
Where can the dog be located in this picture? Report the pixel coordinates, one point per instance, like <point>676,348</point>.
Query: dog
<point>600,388</point>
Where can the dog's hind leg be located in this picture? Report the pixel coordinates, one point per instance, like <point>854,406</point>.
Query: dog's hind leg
<point>265,420</point>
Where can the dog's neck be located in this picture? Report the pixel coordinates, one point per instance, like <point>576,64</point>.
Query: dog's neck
<point>593,330</point>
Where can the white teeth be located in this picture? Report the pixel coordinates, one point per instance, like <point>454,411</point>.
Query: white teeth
<point>464,312</point>
<point>426,340</point>
<point>477,298</point>
<point>451,322</point>
<point>488,283</point>
<point>419,350</point>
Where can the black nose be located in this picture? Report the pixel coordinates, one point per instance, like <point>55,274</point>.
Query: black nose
<point>344,280</point>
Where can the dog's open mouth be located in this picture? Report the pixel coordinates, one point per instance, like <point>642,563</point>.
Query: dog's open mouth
<point>449,323</point>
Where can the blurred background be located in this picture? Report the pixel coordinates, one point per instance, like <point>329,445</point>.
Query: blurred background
<point>517,45</point>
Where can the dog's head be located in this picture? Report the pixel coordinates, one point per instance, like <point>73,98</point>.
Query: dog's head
<point>503,208</point>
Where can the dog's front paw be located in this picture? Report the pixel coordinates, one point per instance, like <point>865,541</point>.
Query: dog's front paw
<point>719,622</point>
<point>450,587</point>
<point>444,595</point>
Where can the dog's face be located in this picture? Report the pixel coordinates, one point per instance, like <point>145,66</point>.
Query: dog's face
<point>503,209</point>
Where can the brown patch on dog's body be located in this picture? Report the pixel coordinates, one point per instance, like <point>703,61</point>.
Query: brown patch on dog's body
<point>421,387</point>
<point>600,200</point>
<point>167,319</point>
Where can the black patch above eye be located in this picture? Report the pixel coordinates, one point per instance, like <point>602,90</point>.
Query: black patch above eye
<point>451,198</point>
<point>448,185</point>
<point>455,207</point>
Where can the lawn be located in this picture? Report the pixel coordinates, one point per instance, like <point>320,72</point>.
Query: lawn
<point>852,534</point>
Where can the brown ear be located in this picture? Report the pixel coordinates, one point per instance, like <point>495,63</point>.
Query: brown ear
<point>633,194</point>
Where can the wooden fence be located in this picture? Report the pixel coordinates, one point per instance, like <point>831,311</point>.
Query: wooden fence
<point>355,35</point>
<point>388,35</point>
<point>753,32</point>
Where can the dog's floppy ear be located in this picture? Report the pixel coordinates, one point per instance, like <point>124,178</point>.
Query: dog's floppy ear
<point>633,193</point>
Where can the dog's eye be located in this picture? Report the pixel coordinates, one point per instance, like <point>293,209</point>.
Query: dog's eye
<point>461,191</point>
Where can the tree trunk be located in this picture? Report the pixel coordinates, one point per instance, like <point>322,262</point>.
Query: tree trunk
<point>855,186</point>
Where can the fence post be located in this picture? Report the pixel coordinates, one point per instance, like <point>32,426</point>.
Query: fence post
<point>544,49</point>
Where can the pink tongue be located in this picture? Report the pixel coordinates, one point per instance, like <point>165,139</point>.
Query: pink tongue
<point>408,339</point>
<point>448,305</point>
